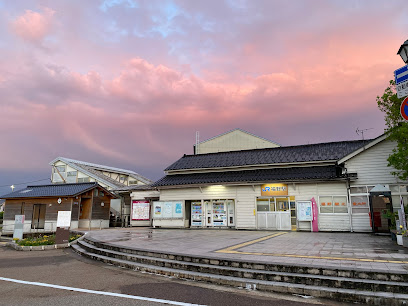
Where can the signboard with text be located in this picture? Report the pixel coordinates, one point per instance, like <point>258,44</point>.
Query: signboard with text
<point>401,81</point>
<point>140,210</point>
<point>274,189</point>
<point>64,218</point>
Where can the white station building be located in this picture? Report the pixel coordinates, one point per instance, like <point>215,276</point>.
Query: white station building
<point>242,181</point>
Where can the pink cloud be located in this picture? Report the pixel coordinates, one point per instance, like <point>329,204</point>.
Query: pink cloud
<point>33,26</point>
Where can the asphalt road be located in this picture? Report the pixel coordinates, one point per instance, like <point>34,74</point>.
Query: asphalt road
<point>66,268</point>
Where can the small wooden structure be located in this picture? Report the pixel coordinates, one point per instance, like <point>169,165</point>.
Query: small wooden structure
<point>88,202</point>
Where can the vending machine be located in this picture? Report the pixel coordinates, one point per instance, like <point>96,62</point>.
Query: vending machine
<point>219,213</point>
<point>231,212</point>
<point>197,214</point>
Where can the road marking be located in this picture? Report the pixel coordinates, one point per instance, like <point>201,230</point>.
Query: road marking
<point>127,296</point>
<point>233,250</point>
<point>241,245</point>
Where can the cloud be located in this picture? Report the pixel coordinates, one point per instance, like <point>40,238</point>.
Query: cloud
<point>128,85</point>
<point>33,26</point>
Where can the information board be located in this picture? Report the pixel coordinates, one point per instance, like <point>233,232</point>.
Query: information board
<point>140,210</point>
<point>64,218</point>
<point>18,226</point>
<point>304,210</point>
<point>168,209</point>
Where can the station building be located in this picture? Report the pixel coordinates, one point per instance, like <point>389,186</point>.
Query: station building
<point>254,183</point>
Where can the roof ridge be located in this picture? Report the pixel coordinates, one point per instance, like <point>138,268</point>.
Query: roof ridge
<point>81,162</point>
<point>62,184</point>
<point>283,147</point>
<point>238,129</point>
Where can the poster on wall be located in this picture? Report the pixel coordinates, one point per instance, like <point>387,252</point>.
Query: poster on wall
<point>157,210</point>
<point>168,209</point>
<point>140,210</point>
<point>304,210</point>
<point>178,211</point>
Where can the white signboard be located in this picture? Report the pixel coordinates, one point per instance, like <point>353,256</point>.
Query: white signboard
<point>168,209</point>
<point>18,226</point>
<point>402,89</point>
<point>304,211</point>
<point>140,210</point>
<point>64,218</point>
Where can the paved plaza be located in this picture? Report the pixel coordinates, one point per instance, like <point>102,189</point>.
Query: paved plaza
<point>335,250</point>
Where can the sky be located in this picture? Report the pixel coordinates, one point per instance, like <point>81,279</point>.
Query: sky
<point>127,83</point>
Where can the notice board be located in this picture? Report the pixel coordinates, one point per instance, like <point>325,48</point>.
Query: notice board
<point>140,210</point>
<point>168,209</point>
<point>304,210</point>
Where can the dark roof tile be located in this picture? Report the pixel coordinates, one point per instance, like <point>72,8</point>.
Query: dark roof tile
<point>260,175</point>
<point>293,154</point>
<point>53,190</point>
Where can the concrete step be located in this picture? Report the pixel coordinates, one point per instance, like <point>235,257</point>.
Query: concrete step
<point>354,273</point>
<point>348,295</point>
<point>288,277</point>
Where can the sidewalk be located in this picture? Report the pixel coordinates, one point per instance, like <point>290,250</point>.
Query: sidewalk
<point>342,250</point>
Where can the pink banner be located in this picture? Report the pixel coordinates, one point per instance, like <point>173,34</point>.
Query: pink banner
<point>315,225</point>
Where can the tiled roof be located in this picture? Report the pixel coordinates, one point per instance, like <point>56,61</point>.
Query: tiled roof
<point>292,154</point>
<point>53,190</point>
<point>251,176</point>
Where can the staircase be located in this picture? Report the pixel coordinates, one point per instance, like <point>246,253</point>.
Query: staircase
<point>376,288</point>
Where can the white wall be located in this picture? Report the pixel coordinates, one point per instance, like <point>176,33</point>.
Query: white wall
<point>327,222</point>
<point>244,197</point>
<point>371,165</point>
<point>245,201</point>
<point>234,141</point>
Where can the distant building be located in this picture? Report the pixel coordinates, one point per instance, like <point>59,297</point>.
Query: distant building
<point>66,170</point>
<point>234,140</point>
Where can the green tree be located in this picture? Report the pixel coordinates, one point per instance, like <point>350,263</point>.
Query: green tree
<point>397,130</point>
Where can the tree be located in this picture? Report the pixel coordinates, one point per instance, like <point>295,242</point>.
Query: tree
<point>397,130</point>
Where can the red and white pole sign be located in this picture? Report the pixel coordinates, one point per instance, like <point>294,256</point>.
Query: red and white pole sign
<point>404,109</point>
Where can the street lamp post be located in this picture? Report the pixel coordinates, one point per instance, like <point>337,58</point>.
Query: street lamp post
<point>403,52</point>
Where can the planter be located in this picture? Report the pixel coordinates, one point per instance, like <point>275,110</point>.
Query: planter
<point>399,239</point>
<point>393,236</point>
<point>405,241</point>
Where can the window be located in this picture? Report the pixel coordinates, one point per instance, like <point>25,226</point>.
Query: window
<point>72,173</point>
<point>359,204</point>
<point>95,192</point>
<point>83,180</point>
<point>359,189</point>
<point>101,194</point>
<point>132,182</point>
<point>61,168</point>
<point>333,204</point>
<point>262,204</point>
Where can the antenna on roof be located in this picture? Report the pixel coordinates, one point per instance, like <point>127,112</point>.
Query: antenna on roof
<point>361,132</point>
<point>197,142</point>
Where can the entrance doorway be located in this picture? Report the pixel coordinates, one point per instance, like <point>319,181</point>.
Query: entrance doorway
<point>275,213</point>
<point>38,221</point>
<point>380,203</point>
